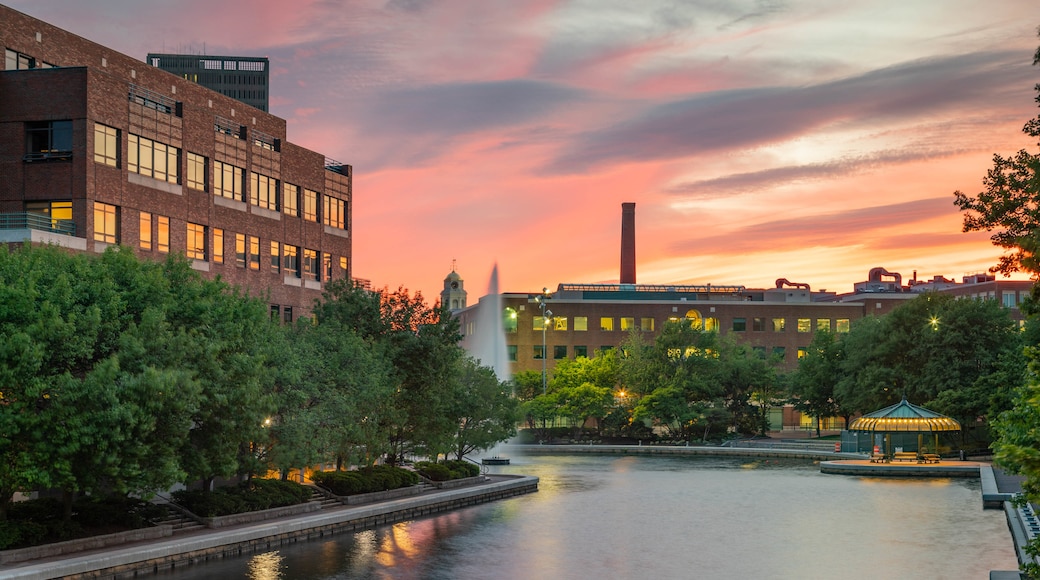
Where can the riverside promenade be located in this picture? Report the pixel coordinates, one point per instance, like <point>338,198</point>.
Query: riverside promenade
<point>194,547</point>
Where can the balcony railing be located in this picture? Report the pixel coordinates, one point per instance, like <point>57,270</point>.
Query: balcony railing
<point>36,221</point>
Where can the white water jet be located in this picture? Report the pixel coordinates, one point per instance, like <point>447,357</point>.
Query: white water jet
<point>489,340</point>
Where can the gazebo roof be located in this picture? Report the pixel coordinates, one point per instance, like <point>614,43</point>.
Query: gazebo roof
<point>904,417</point>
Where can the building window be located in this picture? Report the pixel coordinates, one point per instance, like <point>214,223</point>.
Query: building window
<point>254,253</point>
<point>559,351</point>
<point>841,325</point>
<point>15,60</point>
<point>646,324</point>
<point>758,324</point>
<point>106,145</point>
<point>739,324</point>
<point>310,264</point>
<point>152,159</point>
<point>263,191</point>
<point>539,352</point>
<point>218,245</point>
<point>759,351</point>
<point>779,352</point>
<point>196,171</point>
<point>287,314</point>
<point>627,323</point>
<point>581,351</point>
<point>804,325</point>
<point>1008,299</point>
<point>49,139</point>
<point>227,180</point>
<point>291,199</point>
<point>276,311</point>
<point>326,263</point>
<point>581,323</point>
<point>779,324</point>
<point>509,320</point>
<point>335,212</point>
<point>291,259</point>
<point>310,205</point>
<point>511,352</point>
<point>196,249</point>
<point>146,231</point>
<point>823,324</point>
<point>537,323</point>
<point>606,324</point>
<point>343,264</point>
<point>276,256</point>
<point>559,323</point>
<point>163,234</point>
<point>240,250</point>
<point>106,223</point>
<point>59,212</point>
<point>802,352</point>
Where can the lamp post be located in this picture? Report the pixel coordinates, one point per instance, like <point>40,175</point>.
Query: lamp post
<point>546,315</point>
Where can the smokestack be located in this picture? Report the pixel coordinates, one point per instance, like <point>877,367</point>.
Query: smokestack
<point>628,243</point>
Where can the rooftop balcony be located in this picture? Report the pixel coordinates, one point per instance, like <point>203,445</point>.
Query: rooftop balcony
<point>39,229</point>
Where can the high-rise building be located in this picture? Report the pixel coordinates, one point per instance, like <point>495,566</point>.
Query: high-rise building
<point>243,78</point>
<point>98,148</point>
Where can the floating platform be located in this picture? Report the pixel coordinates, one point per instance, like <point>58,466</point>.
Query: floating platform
<point>496,460</point>
<point>945,468</point>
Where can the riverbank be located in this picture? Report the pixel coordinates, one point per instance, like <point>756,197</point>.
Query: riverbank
<point>199,546</point>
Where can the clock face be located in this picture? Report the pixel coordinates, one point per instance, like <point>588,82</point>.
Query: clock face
<point>454,285</point>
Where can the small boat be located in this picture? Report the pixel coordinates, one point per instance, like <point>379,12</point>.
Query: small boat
<point>496,460</point>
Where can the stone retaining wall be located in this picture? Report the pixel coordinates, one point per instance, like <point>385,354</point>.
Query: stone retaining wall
<point>91,543</point>
<point>363,498</point>
<point>259,516</point>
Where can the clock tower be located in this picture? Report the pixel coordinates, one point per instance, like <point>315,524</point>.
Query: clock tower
<point>454,294</point>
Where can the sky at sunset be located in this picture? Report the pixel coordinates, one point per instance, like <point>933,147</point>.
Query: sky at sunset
<point>808,140</point>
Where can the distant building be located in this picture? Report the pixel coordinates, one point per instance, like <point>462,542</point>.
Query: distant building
<point>98,148</point>
<point>454,293</point>
<point>585,319</point>
<point>243,78</point>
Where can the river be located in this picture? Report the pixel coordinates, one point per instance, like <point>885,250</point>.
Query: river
<point>669,517</point>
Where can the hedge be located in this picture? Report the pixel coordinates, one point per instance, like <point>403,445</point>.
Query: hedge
<point>250,496</point>
<point>365,480</point>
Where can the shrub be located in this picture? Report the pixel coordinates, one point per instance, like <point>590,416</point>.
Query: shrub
<point>365,480</point>
<point>433,471</point>
<point>253,495</point>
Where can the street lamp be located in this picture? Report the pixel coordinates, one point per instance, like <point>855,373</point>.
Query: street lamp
<point>546,315</point>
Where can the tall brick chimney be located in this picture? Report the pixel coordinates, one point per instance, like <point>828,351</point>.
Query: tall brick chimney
<point>628,243</point>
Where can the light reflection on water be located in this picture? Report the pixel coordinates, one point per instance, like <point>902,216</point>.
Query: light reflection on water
<point>665,517</point>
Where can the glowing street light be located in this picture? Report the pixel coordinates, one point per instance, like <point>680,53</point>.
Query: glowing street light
<point>546,316</point>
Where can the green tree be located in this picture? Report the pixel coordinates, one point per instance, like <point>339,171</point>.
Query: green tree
<point>483,409</point>
<point>814,383</point>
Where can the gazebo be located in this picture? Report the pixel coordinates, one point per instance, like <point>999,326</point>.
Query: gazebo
<point>904,419</point>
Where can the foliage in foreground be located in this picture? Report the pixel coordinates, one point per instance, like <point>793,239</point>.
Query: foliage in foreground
<point>41,521</point>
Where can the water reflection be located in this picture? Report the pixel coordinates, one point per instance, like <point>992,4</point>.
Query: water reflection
<point>266,566</point>
<point>662,517</point>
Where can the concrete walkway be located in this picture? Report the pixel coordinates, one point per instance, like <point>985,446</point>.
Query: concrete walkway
<point>198,546</point>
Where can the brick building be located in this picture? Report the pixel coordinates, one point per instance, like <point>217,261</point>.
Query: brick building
<point>98,148</point>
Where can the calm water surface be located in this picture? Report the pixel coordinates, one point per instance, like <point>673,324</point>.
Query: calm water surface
<point>682,517</point>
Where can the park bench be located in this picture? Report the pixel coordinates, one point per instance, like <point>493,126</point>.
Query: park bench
<point>929,458</point>
<point>904,456</point>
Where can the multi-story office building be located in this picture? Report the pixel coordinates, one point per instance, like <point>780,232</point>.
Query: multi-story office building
<point>239,77</point>
<point>98,148</point>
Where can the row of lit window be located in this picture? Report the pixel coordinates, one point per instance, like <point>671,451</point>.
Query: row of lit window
<point>606,324</point>
<point>160,161</point>
<point>155,235</point>
<point>559,351</point>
